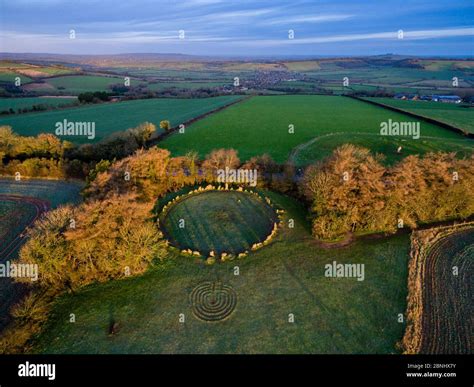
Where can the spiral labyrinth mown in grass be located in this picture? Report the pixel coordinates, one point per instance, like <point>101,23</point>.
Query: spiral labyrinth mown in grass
<point>213,301</point>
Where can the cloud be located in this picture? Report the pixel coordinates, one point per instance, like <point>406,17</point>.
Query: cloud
<point>309,19</point>
<point>194,3</point>
<point>137,37</point>
<point>391,35</point>
<point>225,16</point>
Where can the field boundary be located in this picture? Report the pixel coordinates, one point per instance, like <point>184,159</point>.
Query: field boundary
<point>414,115</point>
<point>162,136</point>
<point>421,243</point>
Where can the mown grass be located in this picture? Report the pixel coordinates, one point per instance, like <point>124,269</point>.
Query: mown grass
<point>261,125</point>
<point>287,276</point>
<point>114,117</point>
<point>229,222</point>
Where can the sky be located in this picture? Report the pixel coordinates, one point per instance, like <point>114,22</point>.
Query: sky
<point>238,28</point>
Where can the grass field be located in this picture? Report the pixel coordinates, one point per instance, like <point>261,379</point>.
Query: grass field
<point>261,125</point>
<point>20,103</point>
<point>217,221</point>
<point>452,114</point>
<point>285,277</point>
<point>114,117</point>
<point>10,77</point>
<point>83,83</point>
<point>185,85</point>
<point>321,147</point>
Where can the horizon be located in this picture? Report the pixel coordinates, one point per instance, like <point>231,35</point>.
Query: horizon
<point>235,29</point>
<point>243,57</point>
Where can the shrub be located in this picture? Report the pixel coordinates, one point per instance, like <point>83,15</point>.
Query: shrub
<point>352,191</point>
<point>165,125</point>
<point>94,242</point>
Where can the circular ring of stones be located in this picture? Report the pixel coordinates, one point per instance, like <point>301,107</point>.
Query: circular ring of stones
<point>213,301</point>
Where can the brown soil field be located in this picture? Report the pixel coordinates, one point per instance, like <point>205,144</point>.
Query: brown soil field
<point>440,291</point>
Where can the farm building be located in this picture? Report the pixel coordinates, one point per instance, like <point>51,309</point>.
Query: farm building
<point>446,98</point>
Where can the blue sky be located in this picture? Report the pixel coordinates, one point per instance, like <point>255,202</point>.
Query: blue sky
<point>237,28</point>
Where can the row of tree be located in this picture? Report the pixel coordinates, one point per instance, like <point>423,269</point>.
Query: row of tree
<point>152,173</point>
<point>352,191</point>
<point>47,156</point>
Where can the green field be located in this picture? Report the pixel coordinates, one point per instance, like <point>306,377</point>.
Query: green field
<point>21,103</point>
<point>158,86</point>
<point>83,83</point>
<point>217,221</point>
<point>9,77</point>
<point>286,277</point>
<point>322,147</point>
<point>460,116</point>
<point>118,116</point>
<point>260,125</point>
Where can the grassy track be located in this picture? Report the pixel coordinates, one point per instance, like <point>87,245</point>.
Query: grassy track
<point>228,222</point>
<point>287,276</point>
<point>113,117</point>
<point>261,125</point>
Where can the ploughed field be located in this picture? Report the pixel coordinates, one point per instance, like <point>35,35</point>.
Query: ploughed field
<point>16,214</point>
<point>113,117</point>
<point>21,203</point>
<point>447,318</point>
<point>264,124</point>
